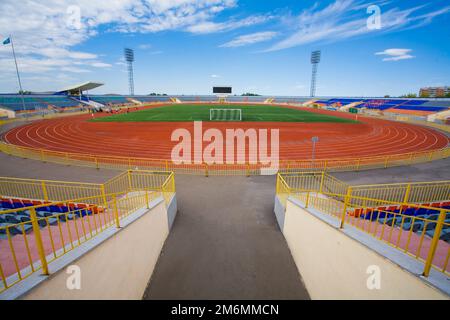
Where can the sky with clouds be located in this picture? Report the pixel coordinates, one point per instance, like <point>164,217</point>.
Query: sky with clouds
<point>369,48</point>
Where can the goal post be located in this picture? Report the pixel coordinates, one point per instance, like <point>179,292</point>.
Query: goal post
<point>225,114</point>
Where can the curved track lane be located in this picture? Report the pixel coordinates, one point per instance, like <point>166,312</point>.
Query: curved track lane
<point>369,137</point>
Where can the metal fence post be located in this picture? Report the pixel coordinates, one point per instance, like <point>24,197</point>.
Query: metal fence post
<point>116,211</point>
<point>105,202</point>
<point>307,199</point>
<point>321,182</point>
<point>346,203</point>
<point>277,187</point>
<point>406,197</point>
<point>130,185</point>
<point>434,243</point>
<point>44,191</point>
<point>39,244</point>
<point>147,200</point>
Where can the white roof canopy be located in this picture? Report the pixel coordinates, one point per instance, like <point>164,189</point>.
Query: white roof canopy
<point>83,87</point>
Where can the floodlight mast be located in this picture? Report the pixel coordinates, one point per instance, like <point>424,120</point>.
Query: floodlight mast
<point>315,59</point>
<point>129,58</point>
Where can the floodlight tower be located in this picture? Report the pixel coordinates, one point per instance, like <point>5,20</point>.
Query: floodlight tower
<point>129,58</point>
<point>315,59</point>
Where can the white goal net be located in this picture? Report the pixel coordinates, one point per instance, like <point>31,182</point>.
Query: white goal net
<point>225,114</point>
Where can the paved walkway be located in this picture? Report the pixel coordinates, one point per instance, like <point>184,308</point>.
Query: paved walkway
<point>225,244</point>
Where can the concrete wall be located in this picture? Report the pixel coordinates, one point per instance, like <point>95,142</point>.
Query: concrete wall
<point>118,268</point>
<point>6,112</point>
<point>334,266</point>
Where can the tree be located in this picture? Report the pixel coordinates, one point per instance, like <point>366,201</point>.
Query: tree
<point>249,94</point>
<point>387,96</point>
<point>409,95</point>
<point>425,94</point>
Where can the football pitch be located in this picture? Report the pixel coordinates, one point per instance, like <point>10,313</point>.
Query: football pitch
<point>200,112</point>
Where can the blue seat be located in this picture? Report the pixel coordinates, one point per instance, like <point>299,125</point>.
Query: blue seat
<point>11,218</point>
<point>445,235</point>
<point>52,221</point>
<point>430,231</point>
<point>410,211</point>
<point>42,209</point>
<point>55,209</point>
<point>25,213</point>
<point>421,212</point>
<point>389,219</point>
<point>17,205</point>
<point>7,205</point>
<point>410,223</point>
<point>27,228</point>
<point>23,218</point>
<point>3,226</point>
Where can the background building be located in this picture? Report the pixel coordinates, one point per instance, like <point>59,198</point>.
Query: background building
<point>434,92</point>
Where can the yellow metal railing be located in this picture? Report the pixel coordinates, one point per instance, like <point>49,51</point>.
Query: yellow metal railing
<point>381,211</point>
<point>128,163</point>
<point>50,190</point>
<point>34,236</point>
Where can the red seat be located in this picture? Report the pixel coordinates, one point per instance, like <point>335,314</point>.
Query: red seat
<point>436,204</point>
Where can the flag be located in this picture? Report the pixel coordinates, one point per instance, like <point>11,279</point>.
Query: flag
<point>7,41</point>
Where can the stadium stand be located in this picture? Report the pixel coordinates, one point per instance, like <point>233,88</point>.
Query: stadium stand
<point>152,98</point>
<point>110,99</point>
<point>409,218</point>
<point>51,212</point>
<point>33,102</point>
<point>401,106</point>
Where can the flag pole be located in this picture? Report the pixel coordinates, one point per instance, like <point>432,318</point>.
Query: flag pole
<point>17,71</point>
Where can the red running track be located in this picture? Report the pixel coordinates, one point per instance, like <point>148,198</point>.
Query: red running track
<point>370,137</point>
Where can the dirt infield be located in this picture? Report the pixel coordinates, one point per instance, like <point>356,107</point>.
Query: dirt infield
<point>369,137</point>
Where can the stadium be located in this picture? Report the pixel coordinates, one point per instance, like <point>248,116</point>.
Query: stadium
<point>221,196</point>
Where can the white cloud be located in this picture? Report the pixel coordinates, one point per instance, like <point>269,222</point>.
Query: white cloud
<point>45,32</point>
<point>211,27</point>
<point>215,76</point>
<point>250,39</point>
<point>395,54</point>
<point>100,65</point>
<point>144,46</point>
<point>344,19</point>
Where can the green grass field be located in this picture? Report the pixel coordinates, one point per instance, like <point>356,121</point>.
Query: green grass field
<point>190,112</point>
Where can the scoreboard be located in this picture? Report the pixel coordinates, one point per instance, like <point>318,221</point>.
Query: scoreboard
<point>222,90</point>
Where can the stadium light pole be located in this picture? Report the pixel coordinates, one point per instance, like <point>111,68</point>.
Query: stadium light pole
<point>129,58</point>
<point>315,59</point>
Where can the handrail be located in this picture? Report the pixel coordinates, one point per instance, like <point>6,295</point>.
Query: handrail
<point>345,211</point>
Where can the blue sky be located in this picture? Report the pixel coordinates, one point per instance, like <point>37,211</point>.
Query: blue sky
<point>186,46</point>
